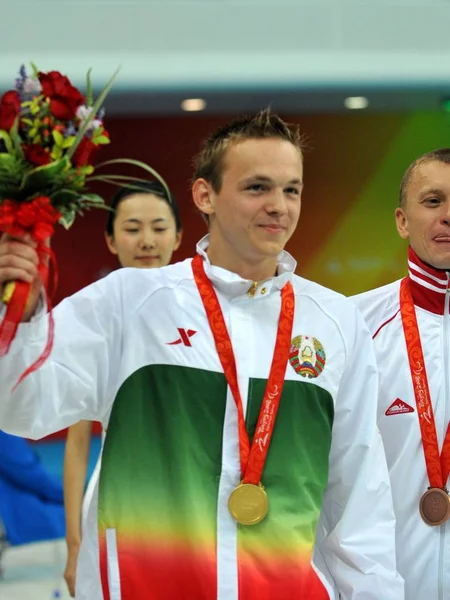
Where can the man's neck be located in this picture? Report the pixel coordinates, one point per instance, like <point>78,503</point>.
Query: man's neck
<point>415,258</point>
<point>428,284</point>
<point>254,271</point>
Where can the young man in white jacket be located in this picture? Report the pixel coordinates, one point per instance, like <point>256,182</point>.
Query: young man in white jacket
<point>185,366</point>
<point>410,323</point>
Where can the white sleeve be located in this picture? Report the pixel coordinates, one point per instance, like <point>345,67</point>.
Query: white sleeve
<point>355,543</point>
<point>77,380</point>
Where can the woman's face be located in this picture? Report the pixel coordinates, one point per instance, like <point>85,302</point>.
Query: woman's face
<point>145,232</point>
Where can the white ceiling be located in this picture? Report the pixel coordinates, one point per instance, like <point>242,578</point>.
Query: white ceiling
<point>300,55</point>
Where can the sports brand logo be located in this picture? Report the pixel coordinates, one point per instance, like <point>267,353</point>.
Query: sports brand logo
<point>184,337</point>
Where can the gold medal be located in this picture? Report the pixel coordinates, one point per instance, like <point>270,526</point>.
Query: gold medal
<point>248,504</point>
<point>435,506</point>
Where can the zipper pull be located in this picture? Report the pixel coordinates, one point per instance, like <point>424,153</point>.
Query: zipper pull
<point>252,291</point>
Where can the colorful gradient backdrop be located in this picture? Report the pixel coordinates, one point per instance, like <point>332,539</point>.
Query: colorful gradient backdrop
<point>346,239</point>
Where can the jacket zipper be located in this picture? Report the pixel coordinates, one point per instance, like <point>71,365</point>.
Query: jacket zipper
<point>252,290</point>
<point>445,424</point>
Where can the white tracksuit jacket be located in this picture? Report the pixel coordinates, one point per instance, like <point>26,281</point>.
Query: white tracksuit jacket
<point>423,552</point>
<point>135,351</point>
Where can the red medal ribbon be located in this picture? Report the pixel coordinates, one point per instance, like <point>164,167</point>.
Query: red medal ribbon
<point>36,218</point>
<point>438,464</point>
<point>252,458</point>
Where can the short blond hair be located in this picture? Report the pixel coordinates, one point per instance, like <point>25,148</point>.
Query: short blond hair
<point>209,162</point>
<point>441,155</point>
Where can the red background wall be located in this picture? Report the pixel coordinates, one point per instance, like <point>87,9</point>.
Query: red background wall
<point>339,161</point>
<point>353,164</point>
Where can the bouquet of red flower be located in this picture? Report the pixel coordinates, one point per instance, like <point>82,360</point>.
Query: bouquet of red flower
<point>49,135</point>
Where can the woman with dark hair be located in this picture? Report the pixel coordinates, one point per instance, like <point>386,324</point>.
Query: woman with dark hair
<point>143,229</point>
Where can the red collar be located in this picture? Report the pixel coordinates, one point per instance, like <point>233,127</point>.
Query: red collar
<point>428,285</point>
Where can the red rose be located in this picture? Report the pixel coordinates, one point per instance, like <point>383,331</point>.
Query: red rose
<point>36,217</point>
<point>37,155</point>
<point>9,109</point>
<point>84,153</point>
<point>26,214</point>
<point>64,97</point>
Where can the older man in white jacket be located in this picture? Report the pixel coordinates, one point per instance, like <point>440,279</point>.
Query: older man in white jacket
<point>410,323</point>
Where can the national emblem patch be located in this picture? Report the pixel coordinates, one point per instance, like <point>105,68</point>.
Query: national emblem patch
<point>307,356</point>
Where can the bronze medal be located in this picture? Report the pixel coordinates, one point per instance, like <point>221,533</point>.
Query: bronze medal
<point>248,504</point>
<point>435,506</point>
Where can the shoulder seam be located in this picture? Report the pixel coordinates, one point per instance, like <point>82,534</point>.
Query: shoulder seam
<point>385,323</point>
<point>331,316</point>
<point>166,286</point>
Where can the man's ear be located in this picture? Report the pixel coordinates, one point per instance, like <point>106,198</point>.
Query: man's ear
<point>203,196</point>
<point>401,221</point>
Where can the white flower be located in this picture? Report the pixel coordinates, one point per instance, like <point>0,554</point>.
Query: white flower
<point>83,112</point>
<point>95,124</point>
<point>31,86</point>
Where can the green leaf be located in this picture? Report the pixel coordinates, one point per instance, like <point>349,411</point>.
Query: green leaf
<point>116,179</point>
<point>89,95</point>
<point>69,141</point>
<point>56,153</point>
<point>39,179</point>
<point>89,205</point>
<point>58,137</point>
<point>85,169</point>
<point>6,160</point>
<point>97,132</point>
<point>12,165</point>
<point>92,199</point>
<point>7,139</point>
<point>102,139</point>
<point>15,137</point>
<point>35,70</point>
<point>67,219</point>
<point>11,170</point>
<point>70,203</point>
<point>141,165</point>
<point>98,103</point>
<point>64,199</point>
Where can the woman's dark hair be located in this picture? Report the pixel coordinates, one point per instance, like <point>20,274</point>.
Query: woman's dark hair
<point>146,187</point>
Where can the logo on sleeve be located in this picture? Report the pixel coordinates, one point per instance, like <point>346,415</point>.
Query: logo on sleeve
<point>398,407</point>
